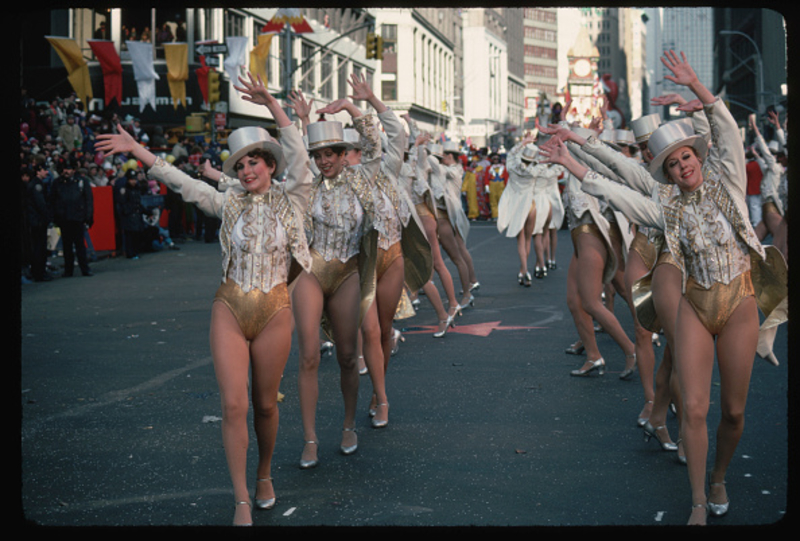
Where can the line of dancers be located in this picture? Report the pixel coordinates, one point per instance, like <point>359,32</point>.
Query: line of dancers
<point>356,224</point>
<point>359,223</point>
<point>695,270</point>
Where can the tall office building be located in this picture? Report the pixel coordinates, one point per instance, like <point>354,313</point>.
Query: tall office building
<point>540,38</point>
<point>751,60</point>
<point>683,29</point>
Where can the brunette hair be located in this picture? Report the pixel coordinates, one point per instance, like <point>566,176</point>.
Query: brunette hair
<point>264,154</point>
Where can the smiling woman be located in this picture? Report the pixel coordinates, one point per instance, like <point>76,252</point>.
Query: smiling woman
<point>261,236</point>
<point>726,274</point>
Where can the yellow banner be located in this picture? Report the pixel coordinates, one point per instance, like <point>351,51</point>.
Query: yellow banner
<point>259,57</point>
<point>177,57</point>
<point>77,70</point>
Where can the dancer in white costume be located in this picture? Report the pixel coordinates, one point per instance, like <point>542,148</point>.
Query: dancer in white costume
<point>702,210</point>
<point>516,211</point>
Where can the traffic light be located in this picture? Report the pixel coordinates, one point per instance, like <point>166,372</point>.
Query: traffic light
<point>214,91</point>
<point>374,46</point>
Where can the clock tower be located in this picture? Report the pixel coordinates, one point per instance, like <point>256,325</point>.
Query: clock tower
<point>582,79</point>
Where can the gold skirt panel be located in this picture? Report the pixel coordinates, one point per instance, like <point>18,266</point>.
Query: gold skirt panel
<point>252,310</point>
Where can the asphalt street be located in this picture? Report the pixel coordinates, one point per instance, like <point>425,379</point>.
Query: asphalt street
<point>120,414</point>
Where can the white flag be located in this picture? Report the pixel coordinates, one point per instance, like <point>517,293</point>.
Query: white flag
<point>144,72</point>
<point>235,63</point>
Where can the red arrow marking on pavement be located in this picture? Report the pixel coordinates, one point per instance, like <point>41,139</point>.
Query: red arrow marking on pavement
<point>477,329</point>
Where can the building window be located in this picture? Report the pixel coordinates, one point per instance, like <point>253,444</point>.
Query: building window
<point>342,86</point>
<point>307,81</point>
<point>326,74</point>
<point>389,35</point>
<point>388,90</point>
<point>234,24</point>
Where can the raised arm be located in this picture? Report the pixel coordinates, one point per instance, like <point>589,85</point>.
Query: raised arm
<point>192,190</point>
<point>301,107</point>
<point>684,75</point>
<point>254,91</point>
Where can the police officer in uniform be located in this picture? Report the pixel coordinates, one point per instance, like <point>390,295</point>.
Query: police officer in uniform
<point>129,209</point>
<point>73,213</point>
<point>38,217</point>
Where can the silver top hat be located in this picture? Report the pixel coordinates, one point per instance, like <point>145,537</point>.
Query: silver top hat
<point>529,153</point>
<point>326,133</point>
<point>609,137</point>
<point>352,138</point>
<point>243,140</point>
<point>643,127</point>
<point>670,137</point>
<point>451,146</point>
<point>624,137</point>
<point>435,149</point>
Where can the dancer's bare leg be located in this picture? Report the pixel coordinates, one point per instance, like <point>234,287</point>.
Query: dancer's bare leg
<point>694,359</point>
<point>591,261</point>
<point>307,305</point>
<point>269,353</point>
<point>343,308</point>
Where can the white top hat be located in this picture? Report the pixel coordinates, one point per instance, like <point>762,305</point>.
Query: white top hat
<point>625,137</point>
<point>326,133</point>
<point>643,127</point>
<point>529,153</point>
<point>451,146</point>
<point>241,141</point>
<point>670,137</point>
<point>435,149</point>
<point>352,138</point>
<point>609,137</point>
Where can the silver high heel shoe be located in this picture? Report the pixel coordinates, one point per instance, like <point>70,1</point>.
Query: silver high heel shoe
<point>349,449</point>
<point>243,502</point>
<point>470,302</point>
<point>474,287</point>
<point>650,432</point>
<point>375,422</point>
<point>397,337</point>
<point>717,509</point>
<point>448,323</point>
<point>267,503</point>
<point>681,457</point>
<point>628,372</point>
<point>640,422</point>
<point>599,365</point>
<point>575,349</point>
<point>308,464</point>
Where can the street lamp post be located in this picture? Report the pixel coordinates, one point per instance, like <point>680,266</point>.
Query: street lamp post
<point>760,91</point>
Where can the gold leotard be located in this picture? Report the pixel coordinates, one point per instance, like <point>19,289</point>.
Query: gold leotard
<point>252,310</point>
<point>331,274</point>
<point>387,257</point>
<point>646,249</point>
<point>715,305</point>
